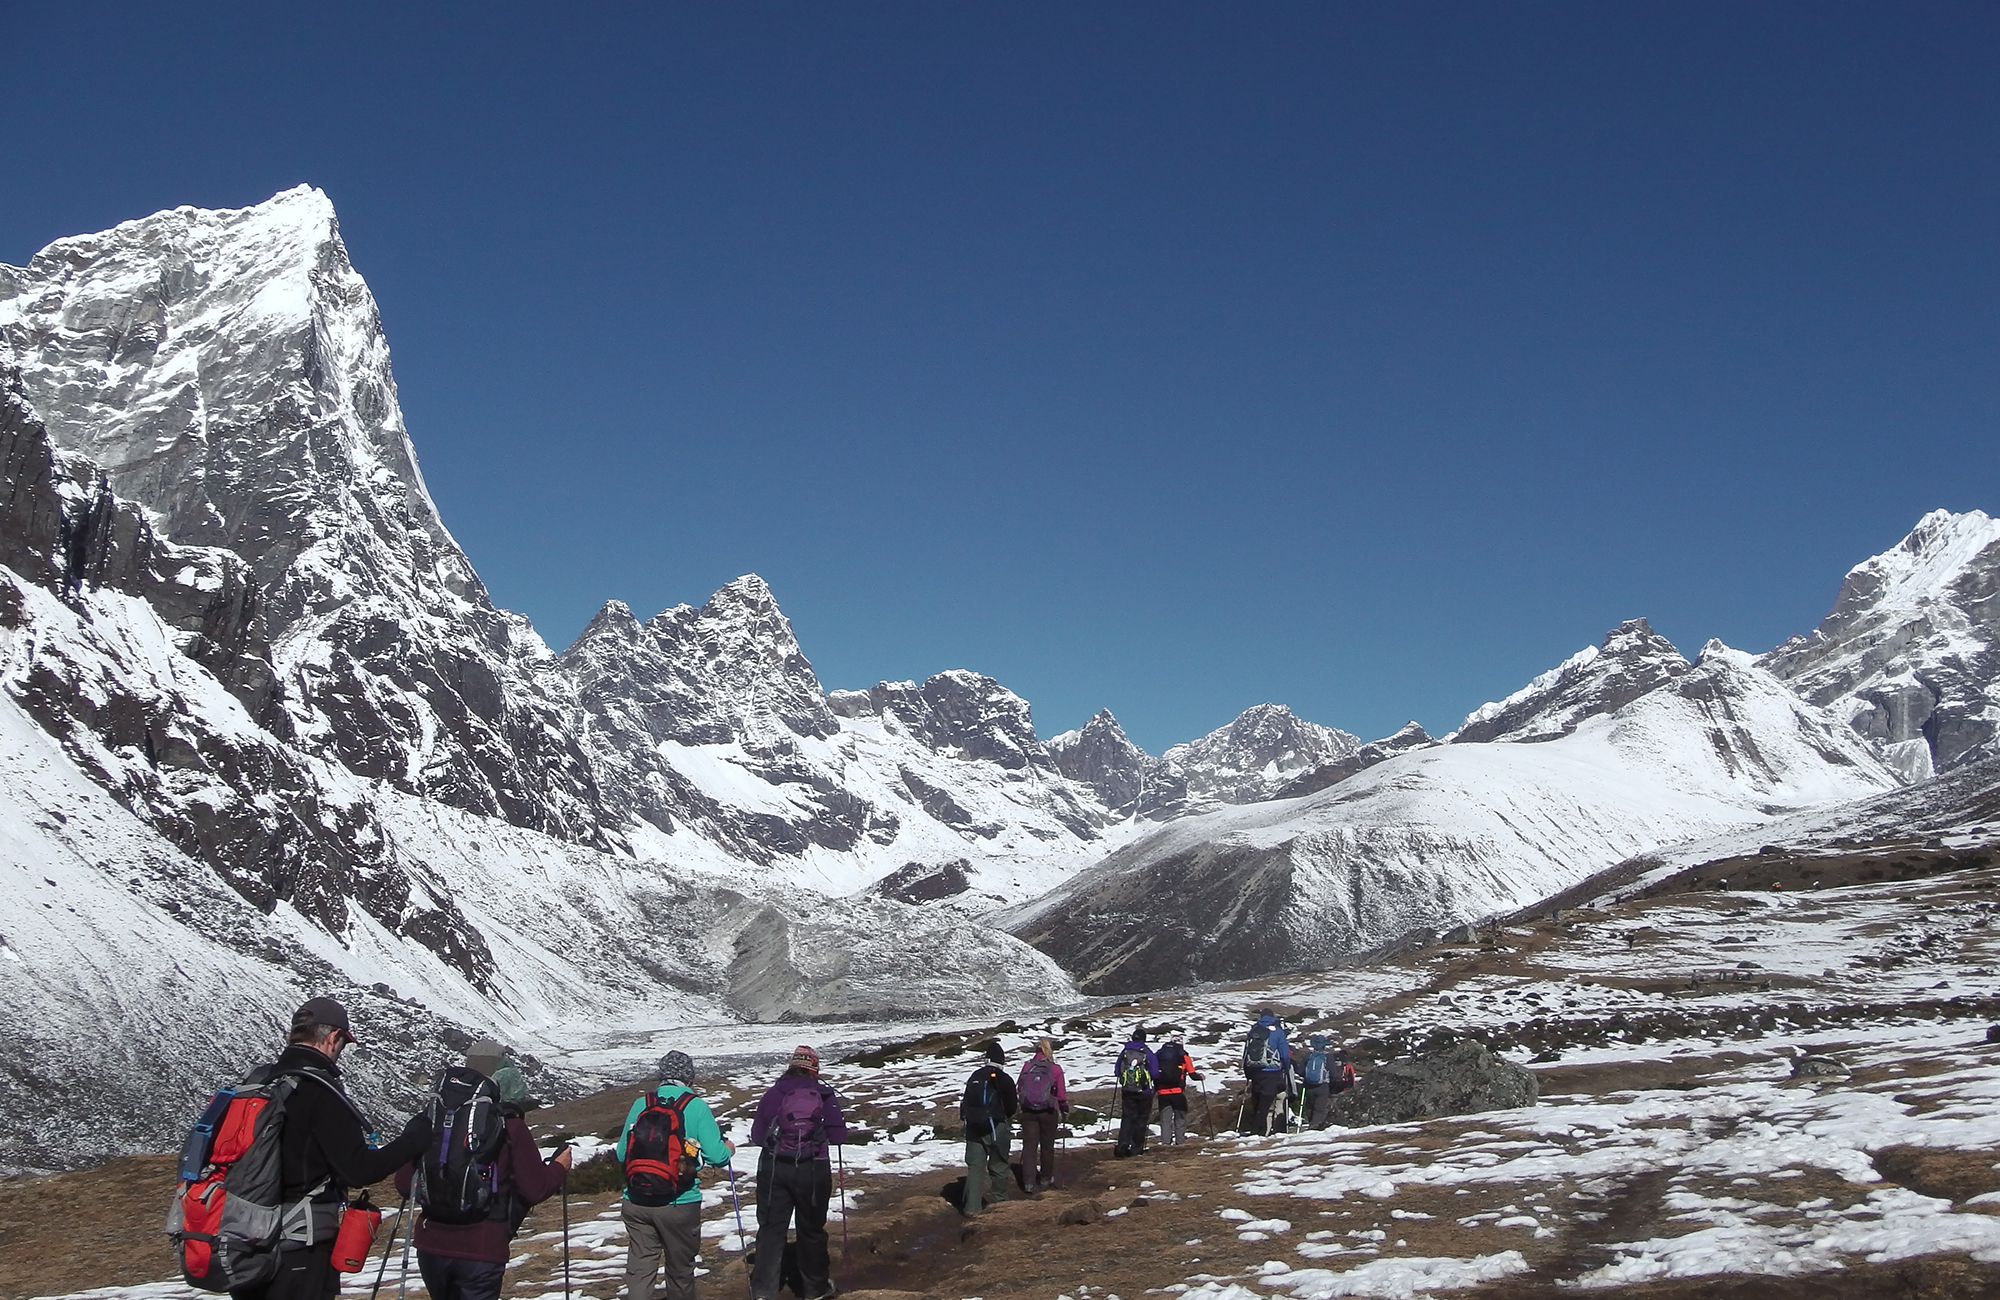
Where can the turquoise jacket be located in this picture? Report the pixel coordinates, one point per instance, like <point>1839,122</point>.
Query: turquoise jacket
<point>701,1129</point>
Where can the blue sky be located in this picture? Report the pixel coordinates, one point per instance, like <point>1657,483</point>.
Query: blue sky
<point>1164,357</point>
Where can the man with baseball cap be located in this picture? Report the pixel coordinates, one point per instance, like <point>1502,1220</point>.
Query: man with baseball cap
<point>797,1121</point>
<point>324,1150</point>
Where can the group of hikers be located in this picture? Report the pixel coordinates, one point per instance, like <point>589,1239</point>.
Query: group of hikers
<point>262,1211</point>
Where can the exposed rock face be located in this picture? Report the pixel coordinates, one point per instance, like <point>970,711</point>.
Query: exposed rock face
<point>1250,759</point>
<point>98,676</point>
<point>1596,680</point>
<point>712,720</point>
<point>1099,756</point>
<point>1264,750</point>
<point>728,678</point>
<point>1442,835</point>
<point>1463,1079</point>
<point>1910,653</point>
<point>228,373</point>
<point>1407,738</point>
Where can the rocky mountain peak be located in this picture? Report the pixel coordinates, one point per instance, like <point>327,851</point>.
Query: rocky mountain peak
<point>1632,660</point>
<point>1910,652</point>
<point>1405,739</point>
<point>227,374</point>
<point>965,714</point>
<point>728,672</point>
<point>1252,757</point>
<point>1099,755</point>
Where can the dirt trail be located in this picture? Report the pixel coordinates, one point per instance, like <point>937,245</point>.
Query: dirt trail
<point>1155,1221</point>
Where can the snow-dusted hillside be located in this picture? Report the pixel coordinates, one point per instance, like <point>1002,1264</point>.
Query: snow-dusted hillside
<point>1450,833</point>
<point>1910,653</point>
<point>135,966</point>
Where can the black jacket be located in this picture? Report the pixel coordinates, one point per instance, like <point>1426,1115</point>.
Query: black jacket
<point>325,1137</point>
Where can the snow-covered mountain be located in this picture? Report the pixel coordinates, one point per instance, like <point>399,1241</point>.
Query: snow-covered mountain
<point>263,733</point>
<point>1260,752</point>
<point>267,735</point>
<point>227,372</point>
<point>710,724</point>
<point>1443,834</point>
<point>1910,654</point>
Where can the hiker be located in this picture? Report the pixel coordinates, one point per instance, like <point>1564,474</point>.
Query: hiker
<point>1137,1071</point>
<point>1317,1068</point>
<point>1267,1063</point>
<point>669,1135</point>
<point>462,1246</point>
<point>1044,1097</point>
<point>1176,1068</point>
<point>987,1111</point>
<point>797,1120</point>
<point>322,1151</point>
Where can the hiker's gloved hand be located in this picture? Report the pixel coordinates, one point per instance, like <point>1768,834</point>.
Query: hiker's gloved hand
<point>418,1130</point>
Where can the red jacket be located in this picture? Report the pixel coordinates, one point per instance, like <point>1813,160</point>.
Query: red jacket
<point>522,1171</point>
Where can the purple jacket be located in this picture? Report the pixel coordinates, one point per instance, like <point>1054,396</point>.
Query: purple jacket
<point>833,1128</point>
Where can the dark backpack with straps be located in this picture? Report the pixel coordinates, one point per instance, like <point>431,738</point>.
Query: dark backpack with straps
<point>979,1108</point>
<point>458,1176</point>
<point>662,1163</point>
<point>228,1220</point>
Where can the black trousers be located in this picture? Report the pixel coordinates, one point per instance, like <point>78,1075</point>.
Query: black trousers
<point>305,1274</point>
<point>1264,1088</point>
<point>448,1277</point>
<point>1137,1108</point>
<point>787,1192</point>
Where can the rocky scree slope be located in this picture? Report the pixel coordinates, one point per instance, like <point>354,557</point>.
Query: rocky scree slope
<point>1449,833</point>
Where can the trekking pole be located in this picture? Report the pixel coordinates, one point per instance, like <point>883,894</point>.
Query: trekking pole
<point>565,1208</point>
<point>742,1242</point>
<point>840,1153</point>
<point>403,1278</point>
<point>389,1246</point>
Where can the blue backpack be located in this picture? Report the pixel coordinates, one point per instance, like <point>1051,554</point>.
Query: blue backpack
<point>1316,1067</point>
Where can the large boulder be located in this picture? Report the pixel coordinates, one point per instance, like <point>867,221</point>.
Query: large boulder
<point>1459,1080</point>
